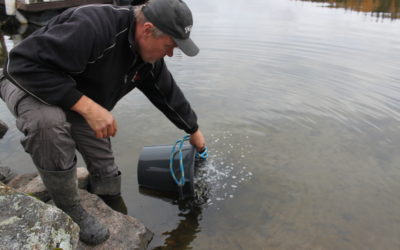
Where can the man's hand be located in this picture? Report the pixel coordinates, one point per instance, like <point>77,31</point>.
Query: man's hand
<point>197,140</point>
<point>99,119</point>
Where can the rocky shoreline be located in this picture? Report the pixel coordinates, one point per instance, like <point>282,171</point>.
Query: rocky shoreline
<point>29,220</point>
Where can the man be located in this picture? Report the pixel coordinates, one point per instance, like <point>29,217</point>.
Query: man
<point>62,81</point>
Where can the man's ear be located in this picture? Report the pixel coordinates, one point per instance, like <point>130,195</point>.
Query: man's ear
<point>148,29</point>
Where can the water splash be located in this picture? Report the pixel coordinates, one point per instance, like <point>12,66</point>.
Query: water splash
<point>225,171</point>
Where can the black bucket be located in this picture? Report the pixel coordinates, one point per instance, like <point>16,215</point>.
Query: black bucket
<point>154,171</point>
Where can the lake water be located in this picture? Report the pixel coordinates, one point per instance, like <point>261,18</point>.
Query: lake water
<point>300,104</point>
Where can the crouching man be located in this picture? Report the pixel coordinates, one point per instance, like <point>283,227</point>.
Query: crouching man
<point>62,81</point>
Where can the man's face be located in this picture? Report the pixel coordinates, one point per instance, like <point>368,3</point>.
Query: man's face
<point>153,48</point>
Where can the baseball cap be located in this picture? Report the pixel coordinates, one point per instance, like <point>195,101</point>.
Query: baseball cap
<point>174,18</point>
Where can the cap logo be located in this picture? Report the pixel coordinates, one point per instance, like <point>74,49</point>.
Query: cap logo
<point>188,29</point>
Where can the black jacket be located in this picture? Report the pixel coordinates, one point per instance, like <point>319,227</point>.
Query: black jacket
<point>90,50</point>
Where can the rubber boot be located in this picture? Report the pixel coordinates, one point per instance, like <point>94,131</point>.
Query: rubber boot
<point>63,189</point>
<point>109,190</point>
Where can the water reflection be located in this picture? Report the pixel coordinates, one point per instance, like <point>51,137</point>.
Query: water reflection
<point>377,8</point>
<point>187,228</point>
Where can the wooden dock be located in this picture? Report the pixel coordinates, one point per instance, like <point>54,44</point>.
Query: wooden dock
<point>39,5</point>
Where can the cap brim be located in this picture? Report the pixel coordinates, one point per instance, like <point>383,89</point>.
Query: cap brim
<point>187,46</point>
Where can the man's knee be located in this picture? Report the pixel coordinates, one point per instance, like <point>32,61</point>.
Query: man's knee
<point>33,116</point>
<point>43,123</point>
<point>49,142</point>
<point>47,135</point>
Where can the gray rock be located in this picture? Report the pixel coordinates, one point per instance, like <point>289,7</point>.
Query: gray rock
<point>126,232</point>
<point>35,186</point>
<point>27,223</point>
<point>6,174</point>
<point>21,180</point>
<point>3,129</point>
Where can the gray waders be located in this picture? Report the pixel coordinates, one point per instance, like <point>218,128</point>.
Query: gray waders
<point>109,190</point>
<point>63,189</point>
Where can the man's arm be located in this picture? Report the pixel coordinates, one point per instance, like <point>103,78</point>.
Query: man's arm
<point>42,64</point>
<point>161,89</point>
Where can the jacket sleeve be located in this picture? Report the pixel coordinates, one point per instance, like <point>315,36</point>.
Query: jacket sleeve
<point>41,65</point>
<point>161,89</point>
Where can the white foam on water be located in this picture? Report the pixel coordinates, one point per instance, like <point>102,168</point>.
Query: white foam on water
<point>222,174</point>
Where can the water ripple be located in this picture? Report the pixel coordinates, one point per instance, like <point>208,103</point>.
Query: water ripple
<point>334,69</point>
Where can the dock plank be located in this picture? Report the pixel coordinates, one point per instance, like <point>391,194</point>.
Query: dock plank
<point>52,5</point>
